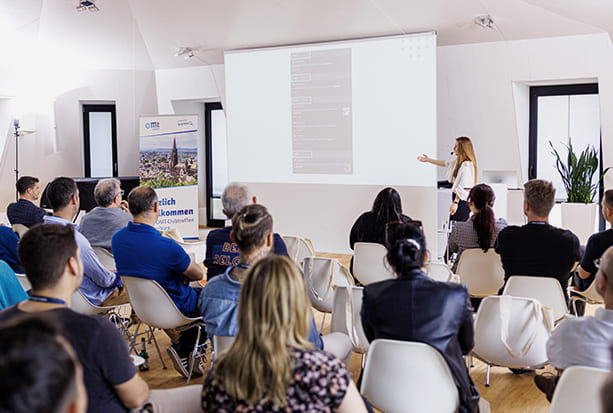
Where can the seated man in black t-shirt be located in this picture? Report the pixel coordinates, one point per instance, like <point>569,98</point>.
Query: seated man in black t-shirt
<point>538,248</point>
<point>597,244</point>
<point>51,259</point>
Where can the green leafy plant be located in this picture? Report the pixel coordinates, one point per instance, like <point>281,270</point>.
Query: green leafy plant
<point>577,173</point>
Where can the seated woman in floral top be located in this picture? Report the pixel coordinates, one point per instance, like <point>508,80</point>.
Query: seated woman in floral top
<point>271,366</point>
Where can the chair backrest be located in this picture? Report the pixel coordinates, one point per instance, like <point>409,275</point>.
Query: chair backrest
<point>152,304</point>
<point>545,289</point>
<point>320,276</point>
<point>439,271</point>
<point>511,331</point>
<point>81,304</point>
<point>482,272</point>
<point>298,248</point>
<point>578,390</point>
<point>346,316</point>
<point>20,229</point>
<point>590,294</point>
<point>405,376</point>
<point>369,263</point>
<point>221,344</point>
<point>23,280</point>
<point>106,258</point>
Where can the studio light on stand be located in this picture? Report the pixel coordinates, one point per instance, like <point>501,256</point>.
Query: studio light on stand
<point>17,133</point>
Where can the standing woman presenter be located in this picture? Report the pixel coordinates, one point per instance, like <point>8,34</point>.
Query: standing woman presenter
<point>462,173</point>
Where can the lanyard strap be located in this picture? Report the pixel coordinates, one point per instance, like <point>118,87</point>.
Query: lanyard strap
<point>43,299</point>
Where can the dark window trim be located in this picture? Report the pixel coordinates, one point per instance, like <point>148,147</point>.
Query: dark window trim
<point>87,109</point>
<point>208,147</point>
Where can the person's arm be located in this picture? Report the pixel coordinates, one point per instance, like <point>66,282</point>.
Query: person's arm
<point>426,158</point>
<point>352,402</point>
<point>364,315</point>
<point>582,273</point>
<point>92,266</point>
<point>193,271</point>
<point>132,393</point>
<point>466,334</point>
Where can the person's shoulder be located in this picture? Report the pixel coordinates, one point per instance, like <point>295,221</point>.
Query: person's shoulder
<point>314,358</point>
<point>221,282</point>
<point>565,233</point>
<point>511,230</point>
<point>219,233</point>
<point>9,312</point>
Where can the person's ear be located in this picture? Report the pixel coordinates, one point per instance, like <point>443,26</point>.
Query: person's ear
<point>155,207</point>
<point>232,237</point>
<point>427,256</point>
<point>255,200</point>
<point>73,265</point>
<point>269,239</point>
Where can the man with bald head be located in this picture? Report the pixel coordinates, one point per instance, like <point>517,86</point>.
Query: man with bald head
<point>583,341</point>
<point>221,251</point>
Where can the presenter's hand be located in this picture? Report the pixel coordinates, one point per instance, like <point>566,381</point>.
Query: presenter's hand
<point>423,158</point>
<point>453,209</point>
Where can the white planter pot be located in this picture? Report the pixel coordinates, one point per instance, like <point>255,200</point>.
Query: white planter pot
<point>581,219</point>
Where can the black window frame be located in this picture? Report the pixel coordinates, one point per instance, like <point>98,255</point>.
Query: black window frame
<point>208,147</point>
<point>87,109</point>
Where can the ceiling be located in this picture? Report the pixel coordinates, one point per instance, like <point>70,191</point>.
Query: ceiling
<point>147,33</point>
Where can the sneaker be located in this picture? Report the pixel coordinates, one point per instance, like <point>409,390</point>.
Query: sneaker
<point>199,364</point>
<point>181,364</point>
<point>546,383</point>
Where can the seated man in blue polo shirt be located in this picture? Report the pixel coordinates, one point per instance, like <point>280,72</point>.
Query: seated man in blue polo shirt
<point>221,251</point>
<point>141,251</point>
<point>24,211</point>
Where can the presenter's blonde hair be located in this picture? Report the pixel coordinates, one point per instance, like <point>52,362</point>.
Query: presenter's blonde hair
<point>465,152</point>
<point>273,317</point>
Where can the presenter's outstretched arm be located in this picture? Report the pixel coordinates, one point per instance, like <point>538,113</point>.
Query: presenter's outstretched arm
<point>426,158</point>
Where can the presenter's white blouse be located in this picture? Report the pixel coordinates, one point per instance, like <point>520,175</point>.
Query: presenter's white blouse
<point>464,180</point>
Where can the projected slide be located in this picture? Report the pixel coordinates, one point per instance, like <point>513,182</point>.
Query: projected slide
<point>321,112</point>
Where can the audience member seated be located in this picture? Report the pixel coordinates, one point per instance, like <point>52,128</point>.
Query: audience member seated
<point>111,214</point>
<point>8,248</point>
<point>481,229</point>
<point>583,341</point>
<point>51,259</point>
<point>100,286</point>
<point>271,366</point>
<point>221,251</point>
<point>39,369</point>
<point>11,291</point>
<point>141,251</point>
<point>538,248</point>
<point>252,232</point>
<point>413,307</point>
<point>24,211</point>
<point>596,245</point>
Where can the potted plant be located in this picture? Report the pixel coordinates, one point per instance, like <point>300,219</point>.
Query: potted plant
<point>579,213</point>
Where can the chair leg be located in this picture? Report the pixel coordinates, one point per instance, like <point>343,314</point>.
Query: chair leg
<point>133,339</point>
<point>157,347</point>
<point>363,360</point>
<point>321,329</point>
<point>191,361</point>
<point>487,377</point>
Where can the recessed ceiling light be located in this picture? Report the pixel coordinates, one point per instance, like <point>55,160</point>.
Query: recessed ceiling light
<point>485,21</point>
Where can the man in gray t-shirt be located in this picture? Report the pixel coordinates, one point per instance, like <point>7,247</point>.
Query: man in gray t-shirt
<point>111,214</point>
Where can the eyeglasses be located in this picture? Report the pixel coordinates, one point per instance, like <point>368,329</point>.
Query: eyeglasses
<point>121,192</point>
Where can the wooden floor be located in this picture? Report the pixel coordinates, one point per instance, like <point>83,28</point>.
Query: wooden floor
<point>508,392</point>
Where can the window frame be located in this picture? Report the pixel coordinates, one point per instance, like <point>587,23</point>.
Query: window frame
<point>208,148</point>
<point>87,109</point>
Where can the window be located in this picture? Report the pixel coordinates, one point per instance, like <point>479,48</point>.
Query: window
<point>558,113</point>
<point>216,162</point>
<point>99,141</point>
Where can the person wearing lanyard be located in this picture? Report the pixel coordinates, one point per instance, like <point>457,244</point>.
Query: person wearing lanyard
<point>461,173</point>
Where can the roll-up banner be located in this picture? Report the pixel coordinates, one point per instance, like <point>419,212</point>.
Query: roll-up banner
<point>169,164</point>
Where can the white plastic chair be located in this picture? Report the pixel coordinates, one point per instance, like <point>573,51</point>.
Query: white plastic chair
<point>482,272</point>
<point>106,258</point>
<point>589,296</point>
<point>346,317</point>
<point>154,307</point>
<point>298,248</point>
<point>321,275</point>
<point>369,263</point>
<point>23,280</point>
<point>440,271</point>
<point>578,390</point>
<point>19,229</point>
<point>81,304</point>
<point>545,289</point>
<point>405,376</point>
<point>511,332</point>
<point>221,344</point>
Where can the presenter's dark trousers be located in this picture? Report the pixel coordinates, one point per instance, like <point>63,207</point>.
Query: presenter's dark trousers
<point>463,211</point>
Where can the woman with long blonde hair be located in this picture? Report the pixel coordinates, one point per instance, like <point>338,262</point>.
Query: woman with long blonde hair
<point>461,173</point>
<point>271,366</point>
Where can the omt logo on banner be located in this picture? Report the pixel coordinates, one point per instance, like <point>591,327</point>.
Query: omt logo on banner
<point>152,125</point>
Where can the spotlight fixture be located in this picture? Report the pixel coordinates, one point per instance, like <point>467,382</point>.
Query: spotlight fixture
<point>185,52</point>
<point>485,21</point>
<point>90,5</point>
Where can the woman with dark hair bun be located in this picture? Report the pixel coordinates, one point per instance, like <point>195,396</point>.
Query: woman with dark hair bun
<point>481,230</point>
<point>370,226</point>
<point>414,307</point>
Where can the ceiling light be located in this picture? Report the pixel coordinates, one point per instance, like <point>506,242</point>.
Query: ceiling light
<point>484,21</point>
<point>185,52</point>
<point>87,5</point>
